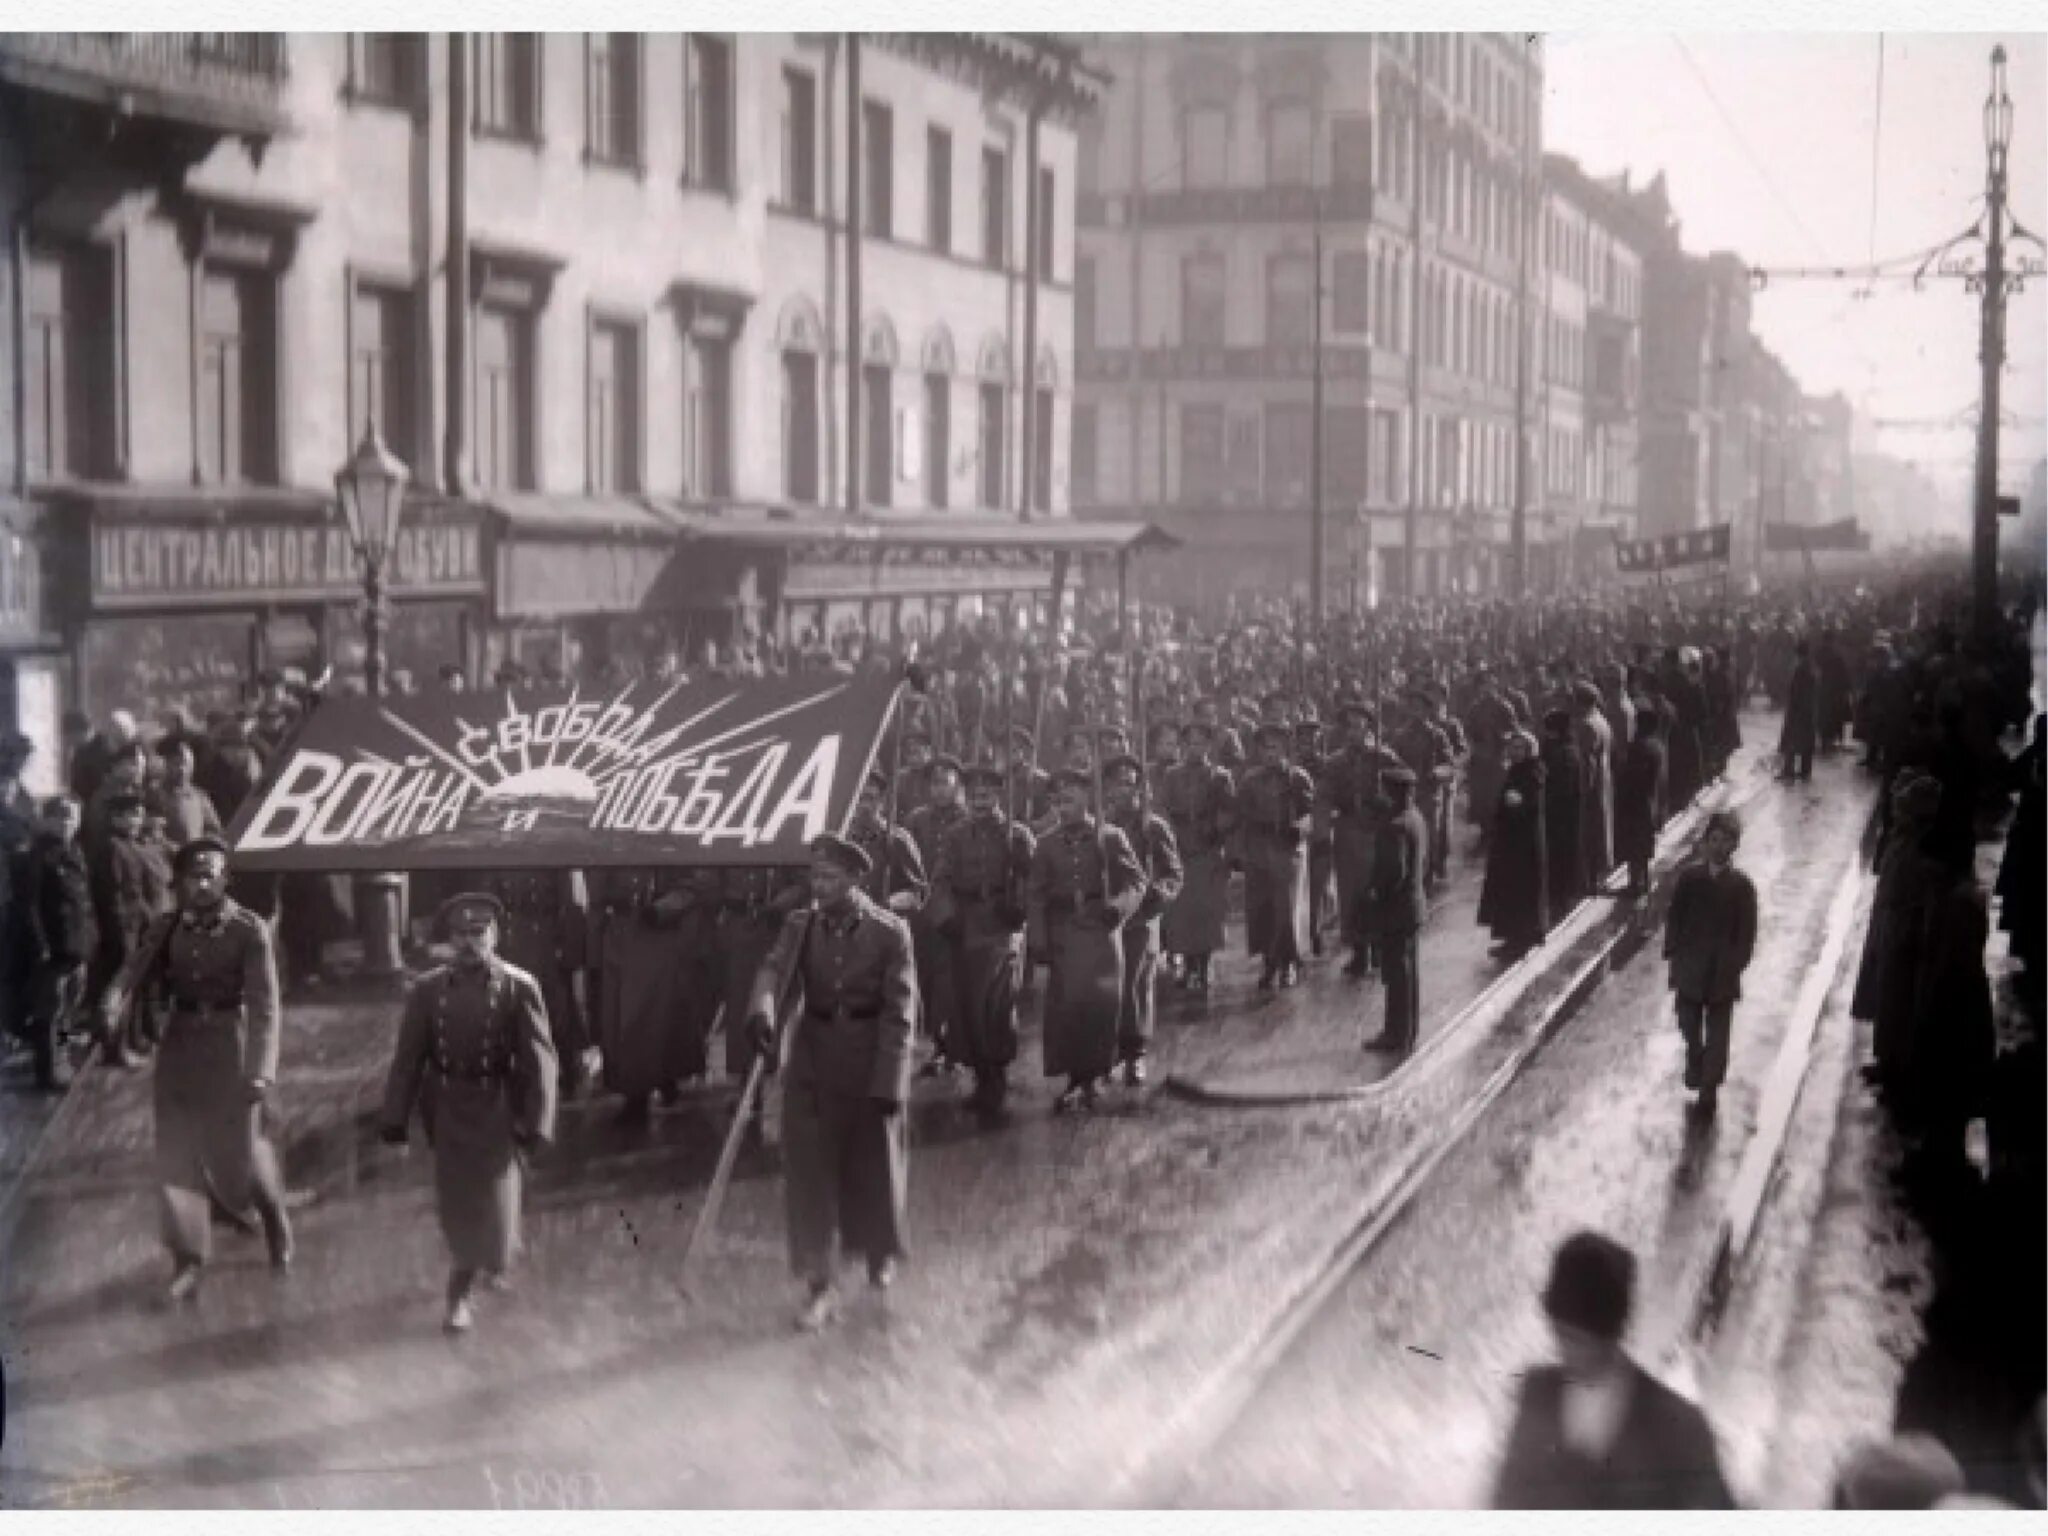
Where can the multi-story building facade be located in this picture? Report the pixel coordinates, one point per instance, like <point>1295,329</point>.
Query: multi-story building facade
<point>1590,394</point>
<point>1216,169</point>
<point>675,345</point>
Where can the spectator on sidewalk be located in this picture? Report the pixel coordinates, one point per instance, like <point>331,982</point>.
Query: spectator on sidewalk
<point>130,889</point>
<point>1638,784</point>
<point>1709,936</point>
<point>187,810</point>
<point>1595,1430</point>
<point>1799,736</point>
<point>54,936</point>
<point>1514,902</point>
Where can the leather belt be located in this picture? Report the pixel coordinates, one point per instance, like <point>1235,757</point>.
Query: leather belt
<point>830,1015</point>
<point>469,1077</point>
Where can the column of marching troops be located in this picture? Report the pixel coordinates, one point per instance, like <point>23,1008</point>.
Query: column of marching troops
<point>905,947</point>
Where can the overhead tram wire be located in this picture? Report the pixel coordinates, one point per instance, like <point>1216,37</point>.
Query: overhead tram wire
<point>1785,204</point>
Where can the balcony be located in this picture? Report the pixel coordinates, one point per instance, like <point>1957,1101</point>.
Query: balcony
<point>220,82</point>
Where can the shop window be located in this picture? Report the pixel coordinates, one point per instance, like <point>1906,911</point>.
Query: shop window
<point>938,189</point>
<point>1048,223</point>
<point>800,427</point>
<point>614,408</point>
<point>1287,453</point>
<point>388,68</point>
<point>612,94</point>
<point>1205,147</point>
<point>1201,453</point>
<point>938,433</point>
<point>381,353</point>
<point>707,417</point>
<point>994,403</point>
<point>237,377</point>
<point>1082,452</point>
<point>504,398</point>
<point>1351,282</point>
<point>877,169</point>
<point>878,417</point>
<point>1290,144</point>
<point>1202,301</point>
<point>1290,300</point>
<point>799,141</point>
<point>995,206</point>
<point>508,84</point>
<point>69,366</point>
<point>1041,451</point>
<point>708,111</point>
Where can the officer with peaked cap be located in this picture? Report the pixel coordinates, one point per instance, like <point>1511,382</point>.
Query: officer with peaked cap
<point>476,1057</point>
<point>841,972</point>
<point>208,968</point>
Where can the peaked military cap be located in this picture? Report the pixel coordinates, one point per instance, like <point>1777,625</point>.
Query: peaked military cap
<point>1123,761</point>
<point>984,773</point>
<point>470,907</point>
<point>836,850</point>
<point>182,859</point>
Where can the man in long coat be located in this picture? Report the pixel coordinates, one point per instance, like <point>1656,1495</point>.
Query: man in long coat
<point>842,975</point>
<point>209,970</point>
<point>1158,856</point>
<point>937,988</point>
<point>978,885</point>
<point>475,1056</point>
<point>896,880</point>
<point>1085,884</point>
<point>1563,814</point>
<point>660,980</point>
<point>1199,799</point>
<point>130,889</point>
<point>1709,936</point>
<point>546,933</point>
<point>1400,906</point>
<point>1488,723</point>
<point>1799,736</point>
<point>1596,746</point>
<point>1638,787</point>
<point>1274,802</point>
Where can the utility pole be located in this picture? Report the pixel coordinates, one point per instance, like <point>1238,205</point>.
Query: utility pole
<point>1317,511</point>
<point>1991,350</point>
<point>854,215</point>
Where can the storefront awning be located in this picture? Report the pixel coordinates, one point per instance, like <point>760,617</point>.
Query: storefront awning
<point>582,517</point>
<point>962,533</point>
<point>559,556</point>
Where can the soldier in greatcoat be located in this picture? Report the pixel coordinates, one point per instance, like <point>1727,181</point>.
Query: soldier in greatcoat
<point>660,980</point>
<point>984,864</point>
<point>546,933</point>
<point>477,1058</point>
<point>1274,802</point>
<point>1400,906</point>
<point>937,989</point>
<point>897,880</point>
<point>1200,801</point>
<point>208,971</point>
<point>1159,858</point>
<point>843,970</point>
<point>1709,936</point>
<point>1085,883</point>
<point>752,903</point>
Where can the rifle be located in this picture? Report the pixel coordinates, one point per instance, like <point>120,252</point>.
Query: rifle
<point>895,780</point>
<point>728,1155</point>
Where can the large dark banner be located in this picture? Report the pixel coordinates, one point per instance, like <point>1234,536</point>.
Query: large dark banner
<point>1674,551</point>
<point>706,773</point>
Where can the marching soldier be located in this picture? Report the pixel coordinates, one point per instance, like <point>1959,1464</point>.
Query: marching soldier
<point>914,779</point>
<point>752,903</point>
<point>1200,802</point>
<point>545,932</point>
<point>1030,787</point>
<point>984,863</point>
<point>475,1055</point>
<point>1400,906</point>
<point>1159,859</point>
<point>846,1151</point>
<point>208,968</point>
<point>936,988</point>
<point>896,881</point>
<point>1274,802</point>
<point>1085,882</point>
<point>660,981</point>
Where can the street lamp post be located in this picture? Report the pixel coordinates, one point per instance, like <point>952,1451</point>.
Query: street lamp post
<point>1991,349</point>
<point>371,490</point>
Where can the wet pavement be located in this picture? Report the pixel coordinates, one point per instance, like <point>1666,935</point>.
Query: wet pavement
<point>1073,1280</point>
<point>1398,1392</point>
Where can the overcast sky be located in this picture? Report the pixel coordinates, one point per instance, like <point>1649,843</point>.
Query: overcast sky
<point>1801,194</point>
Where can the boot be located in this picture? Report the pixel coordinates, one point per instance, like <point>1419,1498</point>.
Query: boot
<point>818,1308</point>
<point>461,1310</point>
<point>184,1280</point>
<point>277,1235</point>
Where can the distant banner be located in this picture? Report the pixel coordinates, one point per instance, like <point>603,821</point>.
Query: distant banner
<point>1790,538</point>
<point>709,773</point>
<point>1674,551</point>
